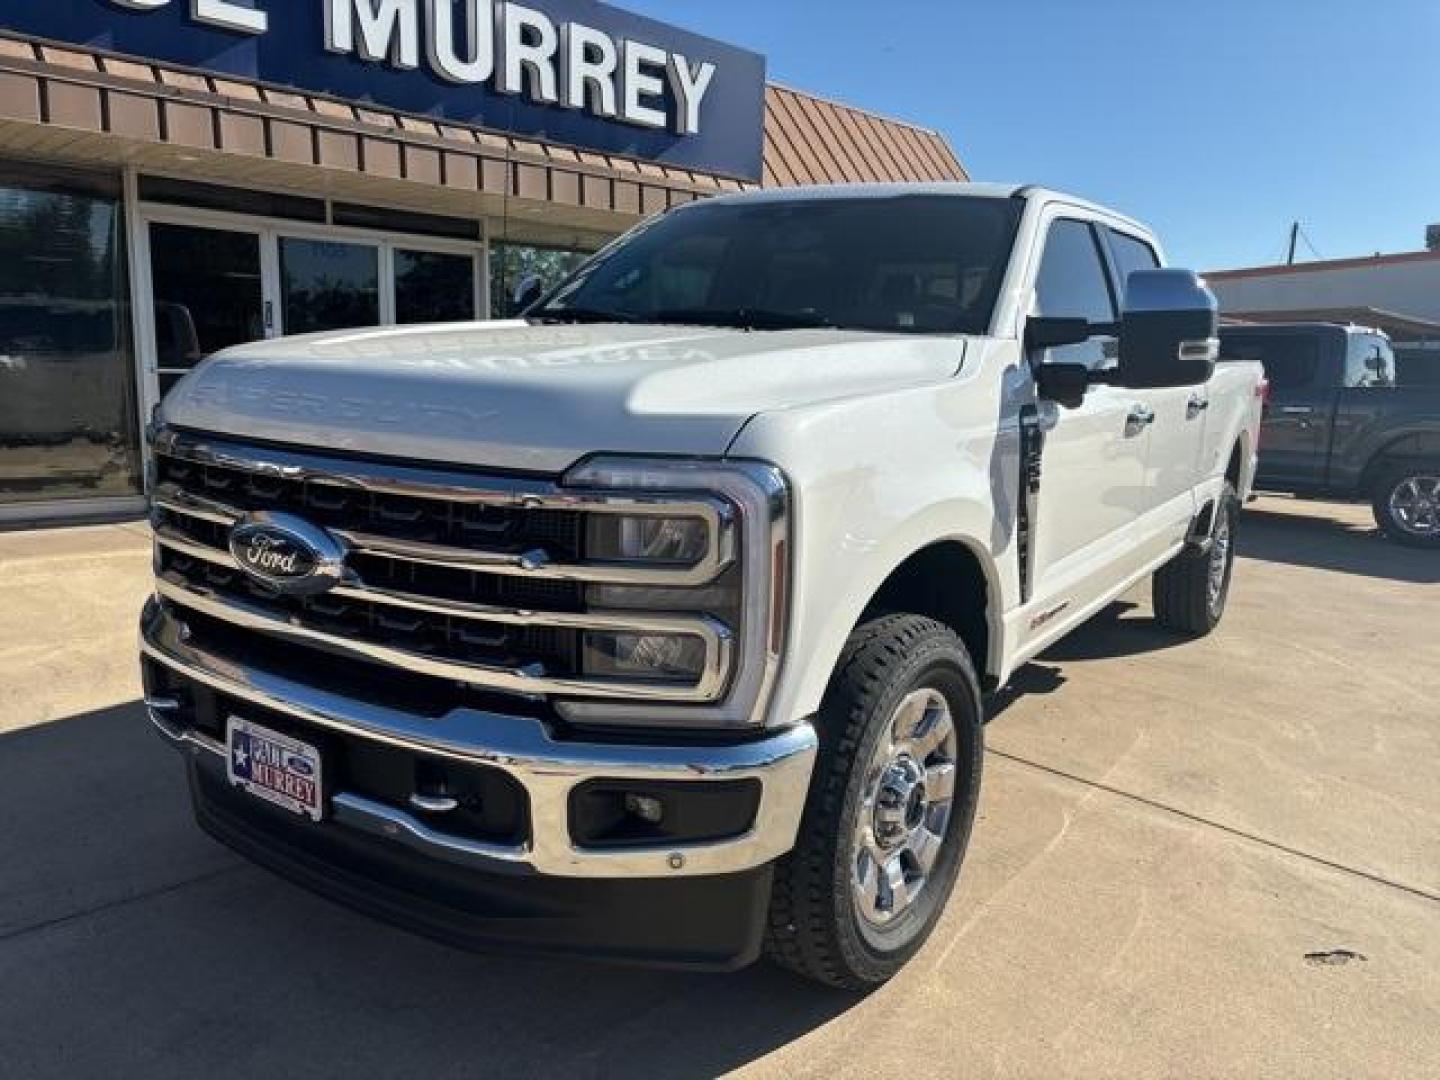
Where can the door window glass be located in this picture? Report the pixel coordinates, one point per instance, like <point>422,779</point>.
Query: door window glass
<point>1073,284</point>
<point>1291,361</point>
<point>1369,361</point>
<point>68,423</point>
<point>207,294</point>
<point>432,286</point>
<point>1130,254</point>
<point>326,285</point>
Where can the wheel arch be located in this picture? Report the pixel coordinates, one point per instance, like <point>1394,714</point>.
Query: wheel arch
<point>953,581</point>
<point>1413,446</point>
<point>1235,468</point>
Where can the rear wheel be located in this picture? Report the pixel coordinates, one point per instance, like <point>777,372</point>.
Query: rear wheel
<point>1407,505</point>
<point>890,808</point>
<point>1190,591</point>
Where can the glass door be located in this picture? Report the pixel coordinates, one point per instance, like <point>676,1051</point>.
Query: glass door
<point>328,284</point>
<point>221,279</point>
<point>208,294</point>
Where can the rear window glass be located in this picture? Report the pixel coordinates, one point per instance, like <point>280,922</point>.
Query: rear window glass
<point>1291,360</point>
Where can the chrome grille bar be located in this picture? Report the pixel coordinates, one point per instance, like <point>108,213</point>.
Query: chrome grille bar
<point>710,631</point>
<point>529,680</point>
<point>535,564</point>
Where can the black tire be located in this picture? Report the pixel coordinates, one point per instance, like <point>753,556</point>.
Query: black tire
<point>815,927</point>
<point>1181,590</point>
<point>1390,481</point>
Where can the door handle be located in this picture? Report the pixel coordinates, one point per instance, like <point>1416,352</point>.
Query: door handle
<point>1195,406</point>
<point>1139,418</point>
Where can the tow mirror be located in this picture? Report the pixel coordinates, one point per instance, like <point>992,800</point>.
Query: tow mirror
<point>527,293</point>
<point>1044,332</point>
<point>1168,330</point>
<point>1064,384</point>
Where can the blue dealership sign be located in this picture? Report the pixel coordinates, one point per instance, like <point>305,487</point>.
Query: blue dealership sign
<point>576,72</point>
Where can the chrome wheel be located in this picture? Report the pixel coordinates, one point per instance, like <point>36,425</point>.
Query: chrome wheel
<point>1415,506</point>
<point>1219,561</point>
<point>904,811</point>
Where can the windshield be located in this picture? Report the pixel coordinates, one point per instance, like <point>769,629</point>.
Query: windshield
<point>921,264</point>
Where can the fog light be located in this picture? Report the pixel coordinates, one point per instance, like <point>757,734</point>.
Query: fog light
<point>646,808</point>
<point>667,657</point>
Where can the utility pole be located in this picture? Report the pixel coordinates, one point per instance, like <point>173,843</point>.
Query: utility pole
<point>1294,236</point>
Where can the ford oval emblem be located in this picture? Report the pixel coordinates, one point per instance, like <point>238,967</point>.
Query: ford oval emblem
<point>287,553</point>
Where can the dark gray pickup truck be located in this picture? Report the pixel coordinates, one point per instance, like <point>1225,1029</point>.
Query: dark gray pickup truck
<point>1337,424</point>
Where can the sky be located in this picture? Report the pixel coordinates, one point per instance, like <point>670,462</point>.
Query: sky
<point>1217,123</point>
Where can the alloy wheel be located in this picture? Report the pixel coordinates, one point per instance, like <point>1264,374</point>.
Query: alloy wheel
<point>905,808</point>
<point>1415,505</point>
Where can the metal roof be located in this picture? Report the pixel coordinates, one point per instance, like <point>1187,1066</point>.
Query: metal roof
<point>812,140</point>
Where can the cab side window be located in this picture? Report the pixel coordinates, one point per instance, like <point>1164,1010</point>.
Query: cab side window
<point>1369,362</point>
<point>1073,284</point>
<point>1129,254</point>
<point>1291,361</point>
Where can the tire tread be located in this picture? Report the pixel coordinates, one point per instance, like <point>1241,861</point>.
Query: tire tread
<point>802,934</point>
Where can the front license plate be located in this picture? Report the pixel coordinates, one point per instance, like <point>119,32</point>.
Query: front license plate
<point>274,767</point>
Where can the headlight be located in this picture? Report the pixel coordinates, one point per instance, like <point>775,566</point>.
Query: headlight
<point>687,538</point>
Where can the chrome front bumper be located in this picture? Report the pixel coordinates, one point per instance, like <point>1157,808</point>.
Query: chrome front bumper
<point>548,770</point>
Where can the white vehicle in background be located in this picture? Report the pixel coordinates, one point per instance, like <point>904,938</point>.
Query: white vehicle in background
<point>656,625</point>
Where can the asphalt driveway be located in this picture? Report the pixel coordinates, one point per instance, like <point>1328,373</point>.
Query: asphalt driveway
<point>1193,859</point>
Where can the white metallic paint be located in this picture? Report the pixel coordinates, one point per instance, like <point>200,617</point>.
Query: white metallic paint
<point>891,443</point>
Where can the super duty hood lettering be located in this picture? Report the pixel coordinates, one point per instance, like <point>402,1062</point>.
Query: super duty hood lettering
<point>538,398</point>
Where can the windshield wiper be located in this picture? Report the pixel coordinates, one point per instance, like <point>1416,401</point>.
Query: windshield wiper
<point>578,315</point>
<point>744,318</point>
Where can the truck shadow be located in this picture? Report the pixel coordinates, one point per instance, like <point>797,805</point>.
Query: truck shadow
<point>1328,543</point>
<point>1119,629</point>
<point>136,946</point>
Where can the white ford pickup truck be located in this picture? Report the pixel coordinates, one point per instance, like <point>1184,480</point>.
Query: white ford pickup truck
<point>656,626</point>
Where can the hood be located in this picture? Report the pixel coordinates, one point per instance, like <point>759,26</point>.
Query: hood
<point>537,398</point>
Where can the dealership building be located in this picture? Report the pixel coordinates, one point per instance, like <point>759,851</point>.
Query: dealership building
<point>178,176</point>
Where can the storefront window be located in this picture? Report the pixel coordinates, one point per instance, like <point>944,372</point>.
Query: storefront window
<point>514,266</point>
<point>68,423</point>
<point>432,286</point>
<point>329,285</point>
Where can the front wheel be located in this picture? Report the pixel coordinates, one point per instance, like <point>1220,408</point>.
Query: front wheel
<point>890,808</point>
<point>1407,505</point>
<point>1190,591</point>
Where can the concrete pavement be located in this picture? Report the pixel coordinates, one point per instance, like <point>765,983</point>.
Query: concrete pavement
<point>1193,859</point>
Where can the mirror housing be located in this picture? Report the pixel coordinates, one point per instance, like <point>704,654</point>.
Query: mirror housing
<point>1168,330</point>
<point>527,292</point>
<point>1047,332</point>
<point>1064,384</point>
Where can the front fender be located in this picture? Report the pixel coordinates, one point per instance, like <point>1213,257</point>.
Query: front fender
<point>874,481</point>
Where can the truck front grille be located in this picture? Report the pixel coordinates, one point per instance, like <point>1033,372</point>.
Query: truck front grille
<point>474,579</point>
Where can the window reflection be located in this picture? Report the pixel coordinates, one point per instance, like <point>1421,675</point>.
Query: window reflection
<point>514,266</point>
<point>207,294</point>
<point>431,286</point>
<point>68,424</point>
<point>329,285</point>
